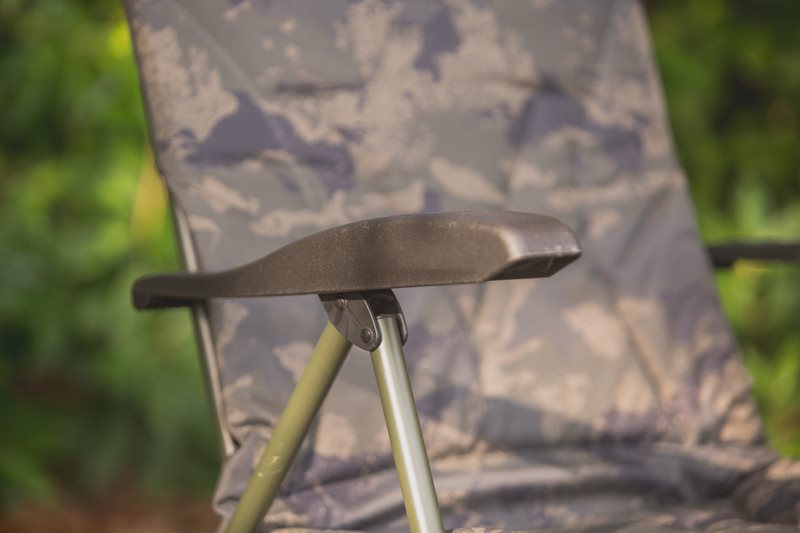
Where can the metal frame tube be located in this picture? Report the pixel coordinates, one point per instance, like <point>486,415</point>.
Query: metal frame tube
<point>399,409</point>
<point>288,435</point>
<point>202,329</point>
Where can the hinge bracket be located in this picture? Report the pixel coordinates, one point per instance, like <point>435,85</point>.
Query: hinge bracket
<point>355,315</point>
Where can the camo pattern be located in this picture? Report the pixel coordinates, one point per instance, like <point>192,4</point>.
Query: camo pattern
<point>612,390</point>
<point>717,518</point>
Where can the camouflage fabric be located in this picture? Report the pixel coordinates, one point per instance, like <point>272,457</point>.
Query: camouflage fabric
<point>612,391</point>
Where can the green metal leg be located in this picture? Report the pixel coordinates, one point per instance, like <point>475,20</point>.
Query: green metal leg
<point>288,435</point>
<point>411,460</point>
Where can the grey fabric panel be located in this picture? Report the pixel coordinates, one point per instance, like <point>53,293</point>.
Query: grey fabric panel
<point>717,519</point>
<point>716,516</point>
<point>611,388</point>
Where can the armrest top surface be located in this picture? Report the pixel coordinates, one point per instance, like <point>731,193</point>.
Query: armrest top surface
<point>384,253</point>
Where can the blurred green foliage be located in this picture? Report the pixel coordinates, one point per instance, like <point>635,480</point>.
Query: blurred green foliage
<point>92,394</point>
<point>95,395</point>
<point>733,90</point>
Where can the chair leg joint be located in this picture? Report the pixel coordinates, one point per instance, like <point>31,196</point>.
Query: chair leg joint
<point>355,315</point>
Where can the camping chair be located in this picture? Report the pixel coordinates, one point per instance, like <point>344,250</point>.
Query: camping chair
<point>398,175</point>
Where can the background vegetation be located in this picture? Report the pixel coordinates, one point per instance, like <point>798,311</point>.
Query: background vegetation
<point>95,397</point>
<point>731,70</point>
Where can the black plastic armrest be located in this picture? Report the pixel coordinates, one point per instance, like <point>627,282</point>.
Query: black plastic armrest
<point>723,255</point>
<point>384,253</point>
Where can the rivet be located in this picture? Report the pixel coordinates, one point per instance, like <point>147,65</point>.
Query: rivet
<point>366,336</point>
<point>340,304</point>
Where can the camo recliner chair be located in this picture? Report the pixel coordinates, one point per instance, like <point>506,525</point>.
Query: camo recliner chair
<point>609,397</point>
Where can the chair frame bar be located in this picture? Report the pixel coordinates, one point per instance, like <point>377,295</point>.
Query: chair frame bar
<point>405,434</point>
<point>202,329</point>
<point>301,409</point>
<point>402,422</point>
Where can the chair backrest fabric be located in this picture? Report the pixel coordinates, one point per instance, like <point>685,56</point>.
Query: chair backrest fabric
<point>618,377</point>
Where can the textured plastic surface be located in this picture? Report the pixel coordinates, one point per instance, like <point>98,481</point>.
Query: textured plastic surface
<point>384,253</point>
<point>726,254</point>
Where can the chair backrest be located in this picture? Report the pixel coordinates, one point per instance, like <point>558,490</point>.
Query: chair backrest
<point>273,119</point>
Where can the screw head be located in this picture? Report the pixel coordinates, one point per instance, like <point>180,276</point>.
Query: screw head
<point>340,304</point>
<point>366,335</point>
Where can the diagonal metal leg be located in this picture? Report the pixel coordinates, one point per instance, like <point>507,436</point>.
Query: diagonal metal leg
<point>308,394</point>
<point>399,409</point>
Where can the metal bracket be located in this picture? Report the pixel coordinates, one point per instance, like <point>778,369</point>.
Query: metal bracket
<point>355,315</point>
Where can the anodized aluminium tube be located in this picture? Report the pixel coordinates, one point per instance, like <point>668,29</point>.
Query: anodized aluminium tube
<point>408,448</point>
<point>288,435</point>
